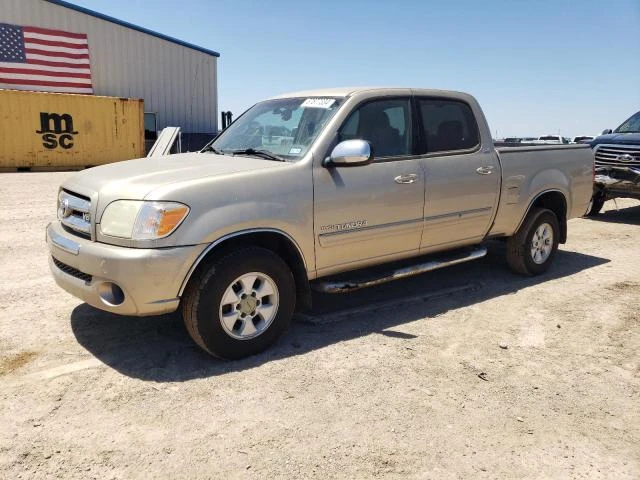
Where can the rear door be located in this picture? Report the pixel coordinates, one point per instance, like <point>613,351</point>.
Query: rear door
<point>462,179</point>
<point>371,213</point>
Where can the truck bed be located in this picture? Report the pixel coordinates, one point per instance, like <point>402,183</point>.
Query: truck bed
<point>537,146</point>
<point>531,168</point>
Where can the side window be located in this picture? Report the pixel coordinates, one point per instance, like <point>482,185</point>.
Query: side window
<point>385,124</point>
<point>448,125</point>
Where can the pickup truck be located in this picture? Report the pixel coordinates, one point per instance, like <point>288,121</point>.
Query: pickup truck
<point>358,187</point>
<point>617,162</point>
<point>550,140</point>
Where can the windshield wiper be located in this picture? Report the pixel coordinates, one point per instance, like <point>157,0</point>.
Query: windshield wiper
<point>211,148</point>
<point>258,153</point>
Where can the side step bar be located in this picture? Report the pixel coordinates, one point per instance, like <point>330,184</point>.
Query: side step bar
<point>345,286</point>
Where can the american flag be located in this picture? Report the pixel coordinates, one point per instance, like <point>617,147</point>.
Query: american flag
<point>33,58</point>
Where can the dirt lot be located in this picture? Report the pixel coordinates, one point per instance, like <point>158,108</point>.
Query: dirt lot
<point>415,385</point>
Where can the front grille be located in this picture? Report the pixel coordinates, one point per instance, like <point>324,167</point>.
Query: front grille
<point>74,211</point>
<point>69,270</point>
<point>618,156</point>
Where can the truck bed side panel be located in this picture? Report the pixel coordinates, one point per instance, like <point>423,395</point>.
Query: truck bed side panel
<point>528,172</point>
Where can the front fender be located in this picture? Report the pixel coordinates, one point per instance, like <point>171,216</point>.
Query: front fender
<point>276,199</point>
<point>292,221</point>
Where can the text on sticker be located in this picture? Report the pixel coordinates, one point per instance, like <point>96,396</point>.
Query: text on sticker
<point>318,102</point>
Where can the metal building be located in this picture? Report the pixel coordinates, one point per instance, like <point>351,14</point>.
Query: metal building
<point>176,80</point>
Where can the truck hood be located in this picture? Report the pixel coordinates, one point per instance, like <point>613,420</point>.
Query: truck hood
<point>620,138</point>
<point>134,179</point>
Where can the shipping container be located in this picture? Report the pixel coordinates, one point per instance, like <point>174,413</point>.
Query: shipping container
<point>43,131</point>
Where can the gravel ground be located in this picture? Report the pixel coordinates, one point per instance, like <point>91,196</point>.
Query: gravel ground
<point>468,372</point>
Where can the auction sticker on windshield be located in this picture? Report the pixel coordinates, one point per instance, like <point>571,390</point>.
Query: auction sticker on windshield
<point>318,102</point>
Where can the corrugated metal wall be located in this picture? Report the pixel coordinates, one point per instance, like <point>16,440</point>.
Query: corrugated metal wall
<point>177,82</point>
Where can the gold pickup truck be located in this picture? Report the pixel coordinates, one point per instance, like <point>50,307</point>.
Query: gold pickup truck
<point>310,190</point>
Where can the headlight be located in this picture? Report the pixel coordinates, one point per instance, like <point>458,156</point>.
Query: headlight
<point>140,220</point>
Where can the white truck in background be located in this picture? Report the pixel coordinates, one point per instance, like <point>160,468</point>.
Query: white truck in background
<point>550,140</point>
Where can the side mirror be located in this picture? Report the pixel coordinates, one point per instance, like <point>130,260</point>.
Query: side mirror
<point>606,131</point>
<point>349,153</point>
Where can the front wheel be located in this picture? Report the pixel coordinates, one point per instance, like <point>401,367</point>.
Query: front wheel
<point>532,249</point>
<point>240,304</point>
<point>596,204</point>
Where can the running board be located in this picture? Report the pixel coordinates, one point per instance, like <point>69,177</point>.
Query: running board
<point>345,286</point>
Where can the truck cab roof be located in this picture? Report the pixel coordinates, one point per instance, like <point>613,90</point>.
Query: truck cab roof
<point>349,91</point>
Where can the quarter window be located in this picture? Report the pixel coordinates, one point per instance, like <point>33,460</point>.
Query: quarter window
<point>448,125</point>
<point>385,124</point>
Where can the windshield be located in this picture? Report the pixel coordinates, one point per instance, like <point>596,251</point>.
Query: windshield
<point>285,128</point>
<point>631,125</point>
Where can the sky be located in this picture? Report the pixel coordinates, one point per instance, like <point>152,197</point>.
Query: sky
<point>536,67</point>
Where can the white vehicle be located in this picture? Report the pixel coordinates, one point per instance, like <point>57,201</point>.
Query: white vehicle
<point>549,140</point>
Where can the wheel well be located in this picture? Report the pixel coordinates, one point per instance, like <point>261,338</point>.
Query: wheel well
<point>278,243</point>
<point>555,202</point>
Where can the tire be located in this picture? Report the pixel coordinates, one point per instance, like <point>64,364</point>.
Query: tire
<point>532,249</point>
<point>597,202</point>
<point>239,304</point>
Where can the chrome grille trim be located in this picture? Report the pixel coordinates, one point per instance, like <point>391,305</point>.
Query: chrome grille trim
<point>77,223</point>
<point>73,211</point>
<point>76,202</point>
<point>607,156</point>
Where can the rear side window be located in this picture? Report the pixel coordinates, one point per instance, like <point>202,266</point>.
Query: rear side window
<point>448,125</point>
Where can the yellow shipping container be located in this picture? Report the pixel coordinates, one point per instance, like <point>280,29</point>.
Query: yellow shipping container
<point>44,131</point>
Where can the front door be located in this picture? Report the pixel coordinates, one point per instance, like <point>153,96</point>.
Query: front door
<point>462,180</point>
<point>371,213</point>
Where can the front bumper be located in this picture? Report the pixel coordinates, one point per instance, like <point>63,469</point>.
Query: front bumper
<point>618,182</point>
<point>147,280</point>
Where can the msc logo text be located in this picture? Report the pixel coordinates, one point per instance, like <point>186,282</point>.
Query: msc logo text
<point>56,130</point>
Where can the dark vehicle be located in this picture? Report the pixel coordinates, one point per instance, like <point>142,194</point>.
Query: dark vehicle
<point>617,167</point>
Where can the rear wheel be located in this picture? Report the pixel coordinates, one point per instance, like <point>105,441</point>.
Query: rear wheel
<point>532,249</point>
<point>239,304</point>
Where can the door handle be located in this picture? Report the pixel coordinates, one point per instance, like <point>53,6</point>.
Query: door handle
<point>405,179</point>
<point>488,170</point>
